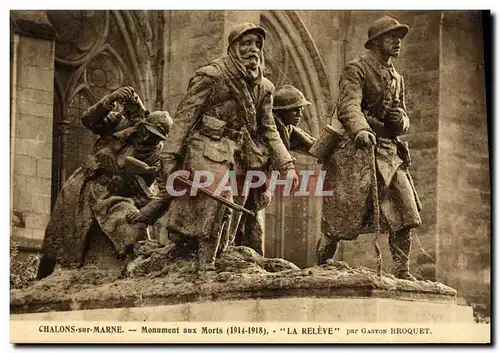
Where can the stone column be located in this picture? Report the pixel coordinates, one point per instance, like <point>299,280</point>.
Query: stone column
<point>32,94</point>
<point>463,182</point>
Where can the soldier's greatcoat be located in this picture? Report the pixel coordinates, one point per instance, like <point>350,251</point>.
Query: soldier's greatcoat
<point>223,123</point>
<point>294,138</point>
<point>100,192</point>
<point>366,84</point>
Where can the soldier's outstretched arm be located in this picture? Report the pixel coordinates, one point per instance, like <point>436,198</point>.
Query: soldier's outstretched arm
<point>271,134</point>
<point>95,118</point>
<point>349,110</point>
<point>156,207</point>
<point>150,213</point>
<point>98,118</point>
<point>188,112</point>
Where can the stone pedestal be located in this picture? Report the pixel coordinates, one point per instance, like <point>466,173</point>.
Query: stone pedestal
<point>159,294</point>
<point>244,287</point>
<point>296,309</point>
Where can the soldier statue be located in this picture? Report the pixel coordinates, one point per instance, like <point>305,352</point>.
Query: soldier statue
<point>224,123</point>
<point>111,186</point>
<point>372,109</point>
<point>288,106</point>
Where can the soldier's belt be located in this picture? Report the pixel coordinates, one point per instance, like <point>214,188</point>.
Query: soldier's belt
<point>103,176</point>
<point>216,128</point>
<point>232,134</point>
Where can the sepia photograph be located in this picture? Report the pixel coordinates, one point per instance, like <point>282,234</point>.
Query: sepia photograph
<point>250,176</point>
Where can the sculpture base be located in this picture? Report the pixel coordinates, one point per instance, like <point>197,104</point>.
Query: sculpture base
<point>244,287</point>
<point>298,309</point>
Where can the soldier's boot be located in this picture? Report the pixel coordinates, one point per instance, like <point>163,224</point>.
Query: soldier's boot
<point>129,253</point>
<point>325,249</point>
<point>46,266</point>
<point>400,245</point>
<point>207,251</point>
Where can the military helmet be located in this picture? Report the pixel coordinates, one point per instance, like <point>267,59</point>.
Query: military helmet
<point>158,123</point>
<point>244,28</point>
<point>289,97</point>
<point>385,25</point>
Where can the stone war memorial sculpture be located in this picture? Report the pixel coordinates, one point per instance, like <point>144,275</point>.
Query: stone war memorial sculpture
<point>172,212</point>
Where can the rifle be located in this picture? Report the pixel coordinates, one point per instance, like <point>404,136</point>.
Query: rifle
<point>222,200</point>
<point>141,168</point>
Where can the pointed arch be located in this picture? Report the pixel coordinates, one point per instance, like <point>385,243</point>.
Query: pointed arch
<point>139,54</point>
<point>299,63</point>
<point>97,51</point>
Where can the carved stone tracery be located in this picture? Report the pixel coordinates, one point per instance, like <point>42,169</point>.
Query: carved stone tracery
<point>96,53</point>
<point>291,57</point>
<point>81,34</point>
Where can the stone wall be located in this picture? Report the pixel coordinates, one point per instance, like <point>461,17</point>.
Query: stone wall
<point>31,136</point>
<point>293,223</point>
<point>463,192</point>
<point>32,80</point>
<point>328,32</point>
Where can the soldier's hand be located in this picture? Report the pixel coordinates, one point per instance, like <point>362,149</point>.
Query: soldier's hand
<point>121,94</point>
<point>136,217</point>
<point>288,171</point>
<point>292,174</point>
<point>365,140</point>
<point>397,117</point>
<point>296,181</point>
<point>395,114</point>
<point>264,200</point>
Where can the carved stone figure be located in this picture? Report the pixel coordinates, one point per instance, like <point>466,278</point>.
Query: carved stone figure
<point>100,195</point>
<point>288,105</point>
<point>371,107</point>
<point>224,123</point>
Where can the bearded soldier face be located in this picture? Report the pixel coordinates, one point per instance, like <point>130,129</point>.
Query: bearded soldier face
<point>389,44</point>
<point>249,48</point>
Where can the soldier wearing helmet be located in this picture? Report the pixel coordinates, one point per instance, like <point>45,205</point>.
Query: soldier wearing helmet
<point>224,123</point>
<point>99,197</point>
<point>372,109</point>
<point>288,105</point>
